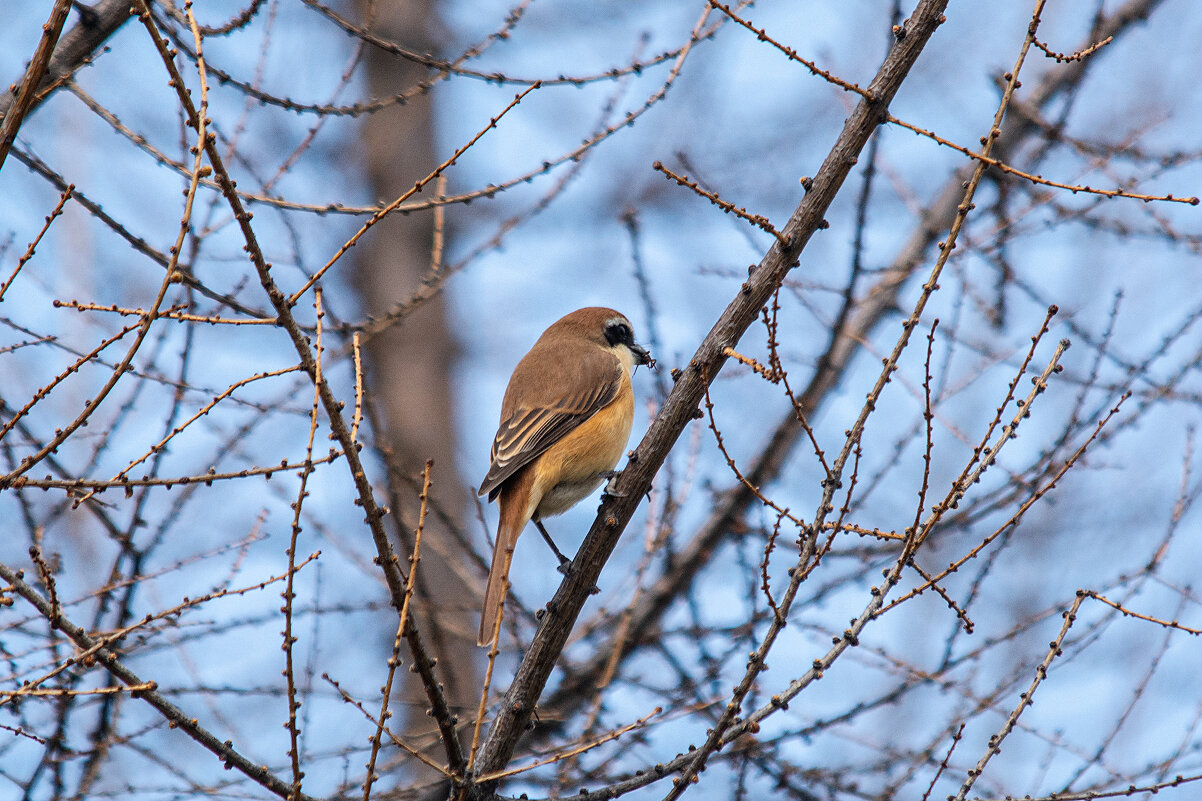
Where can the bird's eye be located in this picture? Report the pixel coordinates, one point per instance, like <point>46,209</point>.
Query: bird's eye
<point>618,334</point>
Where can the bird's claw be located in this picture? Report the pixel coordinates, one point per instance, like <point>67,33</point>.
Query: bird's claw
<point>611,476</point>
<point>566,568</point>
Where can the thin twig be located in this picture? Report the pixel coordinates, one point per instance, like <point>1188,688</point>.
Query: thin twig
<point>1025,700</point>
<point>394,661</point>
<point>12,118</point>
<point>984,158</point>
<point>423,663</point>
<point>289,595</point>
<point>50,218</point>
<point>413,190</point>
<point>757,220</point>
<point>175,716</point>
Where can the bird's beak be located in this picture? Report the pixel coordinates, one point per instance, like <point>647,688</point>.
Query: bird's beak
<point>641,354</point>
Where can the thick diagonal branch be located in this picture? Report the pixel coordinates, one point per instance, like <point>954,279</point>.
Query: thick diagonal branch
<point>677,411</point>
<point>845,344</point>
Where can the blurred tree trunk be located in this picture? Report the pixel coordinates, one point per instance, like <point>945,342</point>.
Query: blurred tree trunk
<point>410,364</point>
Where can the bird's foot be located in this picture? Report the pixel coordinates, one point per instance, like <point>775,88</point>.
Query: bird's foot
<point>610,476</point>
<point>566,568</point>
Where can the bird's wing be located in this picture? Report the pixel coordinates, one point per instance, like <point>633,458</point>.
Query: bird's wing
<point>571,389</point>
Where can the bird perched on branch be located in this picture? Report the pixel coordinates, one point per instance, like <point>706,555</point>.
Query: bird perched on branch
<point>565,421</point>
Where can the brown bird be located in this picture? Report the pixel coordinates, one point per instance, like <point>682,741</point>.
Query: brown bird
<point>565,421</point>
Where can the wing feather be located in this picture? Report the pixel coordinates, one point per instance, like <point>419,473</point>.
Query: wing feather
<point>549,395</point>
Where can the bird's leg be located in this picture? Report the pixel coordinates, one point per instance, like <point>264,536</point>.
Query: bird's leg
<point>565,564</point>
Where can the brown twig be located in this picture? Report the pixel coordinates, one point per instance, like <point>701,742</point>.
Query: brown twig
<point>759,369</point>
<point>394,661</point>
<point>386,557</point>
<point>1018,515</point>
<point>46,389</point>
<point>357,418</point>
<point>417,187</point>
<point>734,467</point>
<point>199,123</point>
<point>173,313</point>
<point>998,164</point>
<point>988,454</point>
<point>175,716</point>
<point>576,751</point>
<point>1025,700</point>
<point>50,218</point>
<point>763,36</point>
<point>397,741</point>
<point>757,220</point>
<point>288,594</point>
<point>1077,56</point>
<point>100,485</point>
<point>61,692</point>
<point>306,465</point>
<point>14,115</point>
<point>951,749</point>
<point>46,575</point>
<point>1168,624</point>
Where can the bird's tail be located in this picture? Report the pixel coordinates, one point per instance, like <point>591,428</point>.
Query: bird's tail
<point>515,514</point>
<point>498,586</point>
